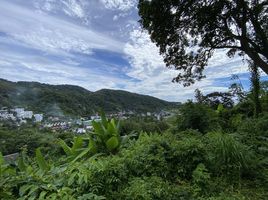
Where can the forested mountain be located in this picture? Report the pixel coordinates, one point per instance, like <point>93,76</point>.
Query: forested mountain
<point>74,100</point>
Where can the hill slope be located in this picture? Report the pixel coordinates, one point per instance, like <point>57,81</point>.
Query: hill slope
<point>74,100</point>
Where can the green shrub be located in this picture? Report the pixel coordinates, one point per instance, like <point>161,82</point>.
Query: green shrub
<point>228,157</point>
<point>154,188</point>
<point>225,196</point>
<point>164,156</point>
<point>198,117</point>
<point>138,125</point>
<point>201,178</point>
<point>254,134</point>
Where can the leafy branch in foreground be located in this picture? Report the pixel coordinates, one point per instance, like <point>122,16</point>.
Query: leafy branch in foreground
<point>188,32</point>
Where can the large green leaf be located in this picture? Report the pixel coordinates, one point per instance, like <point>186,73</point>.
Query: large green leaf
<point>41,160</point>
<point>24,189</point>
<point>42,195</point>
<point>98,128</point>
<point>21,164</point>
<point>118,125</point>
<point>112,130</point>
<point>82,154</point>
<point>92,146</point>
<point>1,159</point>
<point>78,144</point>
<point>65,147</point>
<point>112,143</point>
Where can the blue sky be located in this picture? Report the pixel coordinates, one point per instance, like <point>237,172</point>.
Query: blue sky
<point>94,44</point>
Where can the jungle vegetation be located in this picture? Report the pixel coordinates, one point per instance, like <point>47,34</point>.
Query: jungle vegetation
<point>208,150</point>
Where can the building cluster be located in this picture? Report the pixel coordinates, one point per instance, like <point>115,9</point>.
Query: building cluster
<point>78,126</point>
<point>127,114</point>
<point>57,125</point>
<point>20,115</point>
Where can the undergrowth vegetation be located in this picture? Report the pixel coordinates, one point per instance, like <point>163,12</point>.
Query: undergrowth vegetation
<point>202,154</point>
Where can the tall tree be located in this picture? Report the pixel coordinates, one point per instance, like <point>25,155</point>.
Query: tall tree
<point>189,31</point>
<point>255,88</point>
<point>215,98</point>
<point>237,89</point>
<point>199,97</point>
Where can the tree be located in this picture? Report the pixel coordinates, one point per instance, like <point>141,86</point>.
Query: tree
<point>198,96</point>
<point>197,116</point>
<point>215,98</point>
<point>189,31</point>
<point>255,88</point>
<point>237,89</point>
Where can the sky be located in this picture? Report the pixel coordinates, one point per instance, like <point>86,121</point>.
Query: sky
<point>95,44</point>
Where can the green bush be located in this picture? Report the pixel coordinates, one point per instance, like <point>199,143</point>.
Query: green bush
<point>201,178</point>
<point>228,157</point>
<point>164,156</point>
<point>137,125</point>
<point>198,117</point>
<point>154,188</point>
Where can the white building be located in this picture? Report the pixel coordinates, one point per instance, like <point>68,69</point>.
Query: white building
<point>28,115</point>
<point>95,117</point>
<point>23,114</point>
<point>6,116</point>
<point>89,127</point>
<point>81,131</point>
<point>19,112</point>
<point>38,117</point>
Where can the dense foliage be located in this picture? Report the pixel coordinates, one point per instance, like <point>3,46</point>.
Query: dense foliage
<point>73,100</point>
<point>147,124</point>
<point>179,163</point>
<point>13,140</point>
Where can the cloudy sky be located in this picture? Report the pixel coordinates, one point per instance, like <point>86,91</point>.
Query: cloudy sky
<point>94,44</point>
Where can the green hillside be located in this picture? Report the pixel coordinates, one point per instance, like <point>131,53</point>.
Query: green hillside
<point>74,100</point>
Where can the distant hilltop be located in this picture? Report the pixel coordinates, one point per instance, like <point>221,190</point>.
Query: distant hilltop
<point>59,100</point>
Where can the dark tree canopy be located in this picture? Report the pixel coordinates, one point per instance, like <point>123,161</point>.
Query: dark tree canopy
<point>189,31</point>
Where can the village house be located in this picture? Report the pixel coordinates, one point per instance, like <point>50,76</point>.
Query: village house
<point>38,117</point>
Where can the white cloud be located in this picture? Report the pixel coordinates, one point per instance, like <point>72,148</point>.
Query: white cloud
<point>155,79</point>
<point>123,5</point>
<point>51,34</point>
<point>115,17</point>
<point>18,67</point>
<point>72,8</point>
<point>220,65</point>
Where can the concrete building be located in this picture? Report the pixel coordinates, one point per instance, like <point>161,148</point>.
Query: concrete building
<point>6,116</point>
<point>95,117</point>
<point>38,117</point>
<point>81,131</point>
<point>23,114</point>
<point>28,115</point>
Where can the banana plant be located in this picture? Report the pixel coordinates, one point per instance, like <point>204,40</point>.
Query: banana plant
<point>106,133</point>
<point>77,150</point>
<point>105,138</point>
<point>42,163</point>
